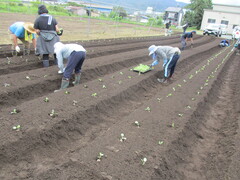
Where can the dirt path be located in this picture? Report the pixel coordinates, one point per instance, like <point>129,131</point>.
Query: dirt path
<point>188,127</point>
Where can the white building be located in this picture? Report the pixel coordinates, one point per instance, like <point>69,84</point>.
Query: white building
<point>222,14</point>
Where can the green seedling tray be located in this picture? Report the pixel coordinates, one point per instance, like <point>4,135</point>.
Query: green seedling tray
<point>141,68</point>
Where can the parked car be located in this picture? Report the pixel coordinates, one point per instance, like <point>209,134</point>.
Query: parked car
<point>215,29</point>
<point>236,32</point>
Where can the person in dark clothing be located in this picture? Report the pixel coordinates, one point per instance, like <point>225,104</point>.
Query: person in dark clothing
<point>187,37</point>
<point>167,30</point>
<point>47,29</point>
<point>185,26</point>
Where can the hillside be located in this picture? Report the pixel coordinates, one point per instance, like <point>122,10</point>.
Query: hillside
<point>133,5</point>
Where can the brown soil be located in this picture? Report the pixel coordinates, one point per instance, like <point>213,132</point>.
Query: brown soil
<point>195,117</point>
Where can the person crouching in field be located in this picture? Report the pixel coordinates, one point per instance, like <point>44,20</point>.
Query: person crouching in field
<point>23,31</point>
<point>187,37</point>
<point>75,55</point>
<point>170,56</point>
<point>224,43</point>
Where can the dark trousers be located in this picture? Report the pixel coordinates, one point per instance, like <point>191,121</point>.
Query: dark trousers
<point>75,62</point>
<point>170,66</point>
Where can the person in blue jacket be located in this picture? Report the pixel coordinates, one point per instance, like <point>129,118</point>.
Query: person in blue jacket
<point>169,55</point>
<point>187,37</point>
<point>23,31</point>
<point>224,43</point>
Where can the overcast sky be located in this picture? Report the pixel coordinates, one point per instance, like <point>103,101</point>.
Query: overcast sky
<point>230,2</point>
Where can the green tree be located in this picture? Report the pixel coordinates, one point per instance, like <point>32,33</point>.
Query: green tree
<point>118,12</point>
<point>195,15</point>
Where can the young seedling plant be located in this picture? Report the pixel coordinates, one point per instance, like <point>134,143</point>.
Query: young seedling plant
<point>148,109</point>
<point>46,99</point>
<point>75,102</point>
<point>6,85</point>
<point>67,92</point>
<point>100,156</point>
<point>137,124</point>
<point>15,111</point>
<point>122,137</point>
<point>53,114</point>
<point>28,78</point>
<point>94,95</point>
<point>17,128</point>
<point>104,87</point>
<point>160,142</point>
<point>143,161</point>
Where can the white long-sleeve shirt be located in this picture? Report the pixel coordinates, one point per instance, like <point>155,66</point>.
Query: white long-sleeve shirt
<point>63,51</point>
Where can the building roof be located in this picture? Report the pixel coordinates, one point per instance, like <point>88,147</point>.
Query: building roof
<point>173,9</point>
<point>227,5</point>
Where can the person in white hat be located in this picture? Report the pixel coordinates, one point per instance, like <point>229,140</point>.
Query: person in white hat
<point>169,55</point>
<point>23,31</point>
<point>75,55</point>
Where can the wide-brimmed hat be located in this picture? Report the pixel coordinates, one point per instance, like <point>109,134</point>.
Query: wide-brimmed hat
<point>152,49</point>
<point>29,27</point>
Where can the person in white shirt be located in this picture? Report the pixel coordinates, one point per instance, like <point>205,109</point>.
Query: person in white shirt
<point>75,55</point>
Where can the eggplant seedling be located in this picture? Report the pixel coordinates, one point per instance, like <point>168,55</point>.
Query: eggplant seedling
<point>94,94</point>
<point>137,124</point>
<point>160,142</point>
<point>122,137</point>
<point>46,99</point>
<point>184,80</point>
<point>159,99</point>
<point>17,128</point>
<point>121,73</point>
<point>119,82</point>
<point>53,113</point>
<point>100,80</point>
<point>144,160</point>
<point>173,125</point>
<point>45,76</point>
<point>179,85</point>
<point>198,93</point>
<point>188,107</point>
<point>75,102</point>
<point>6,85</point>
<point>15,111</point>
<point>180,115</point>
<point>28,78</point>
<point>85,86</point>
<point>67,92</point>
<point>174,89</point>
<point>170,94</point>
<point>104,86</point>
<point>193,99</point>
<point>100,156</point>
<point>129,77</point>
<point>148,109</point>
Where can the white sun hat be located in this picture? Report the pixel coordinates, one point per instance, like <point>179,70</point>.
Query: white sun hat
<point>152,49</point>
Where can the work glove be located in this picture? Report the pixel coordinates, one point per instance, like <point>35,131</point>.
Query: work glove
<point>60,32</point>
<point>17,48</point>
<point>155,63</point>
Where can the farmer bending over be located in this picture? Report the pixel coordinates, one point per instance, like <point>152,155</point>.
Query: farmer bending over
<point>170,56</point>
<point>75,55</point>
<point>24,32</point>
<point>187,37</point>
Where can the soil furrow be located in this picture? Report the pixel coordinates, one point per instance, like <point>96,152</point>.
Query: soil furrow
<point>44,86</point>
<point>65,130</point>
<point>196,140</point>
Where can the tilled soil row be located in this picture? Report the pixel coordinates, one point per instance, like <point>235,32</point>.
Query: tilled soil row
<point>23,63</point>
<point>5,50</point>
<point>46,80</point>
<point>62,132</point>
<point>203,147</point>
<point>129,153</point>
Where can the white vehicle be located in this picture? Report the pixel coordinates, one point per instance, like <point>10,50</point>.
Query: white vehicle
<point>236,32</point>
<point>215,29</point>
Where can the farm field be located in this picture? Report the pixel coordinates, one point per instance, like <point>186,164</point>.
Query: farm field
<point>187,129</point>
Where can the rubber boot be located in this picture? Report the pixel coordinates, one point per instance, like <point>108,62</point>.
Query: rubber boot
<point>77,79</point>
<point>163,80</point>
<point>64,85</point>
